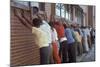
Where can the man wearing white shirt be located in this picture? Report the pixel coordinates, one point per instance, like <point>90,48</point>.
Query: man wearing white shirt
<point>85,43</point>
<point>47,29</point>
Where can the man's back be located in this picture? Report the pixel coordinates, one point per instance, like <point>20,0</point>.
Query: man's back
<point>69,36</point>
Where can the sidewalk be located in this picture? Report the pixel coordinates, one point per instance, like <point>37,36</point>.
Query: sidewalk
<point>86,57</point>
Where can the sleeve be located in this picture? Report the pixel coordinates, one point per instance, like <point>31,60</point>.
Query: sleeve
<point>73,33</point>
<point>81,33</point>
<point>33,29</point>
<point>56,36</point>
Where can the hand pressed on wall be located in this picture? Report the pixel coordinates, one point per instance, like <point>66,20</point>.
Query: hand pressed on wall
<point>19,14</point>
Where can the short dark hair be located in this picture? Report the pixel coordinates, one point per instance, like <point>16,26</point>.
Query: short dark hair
<point>37,22</point>
<point>72,26</point>
<point>65,26</point>
<point>37,9</point>
<point>51,23</point>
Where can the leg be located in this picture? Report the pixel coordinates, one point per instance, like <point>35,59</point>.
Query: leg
<point>72,52</point>
<point>60,51</point>
<point>80,50</point>
<point>44,55</point>
<point>55,53</point>
<point>65,52</point>
<point>51,54</point>
<point>89,41</point>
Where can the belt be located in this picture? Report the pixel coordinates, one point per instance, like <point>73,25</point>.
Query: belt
<point>63,39</point>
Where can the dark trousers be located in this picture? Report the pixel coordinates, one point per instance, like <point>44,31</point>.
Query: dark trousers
<point>63,51</point>
<point>72,52</point>
<point>51,61</point>
<point>44,55</point>
<point>89,42</point>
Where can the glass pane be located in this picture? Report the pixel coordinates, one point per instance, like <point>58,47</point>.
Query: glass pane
<point>69,16</point>
<point>58,5</point>
<point>66,15</point>
<point>34,4</point>
<point>22,2</point>
<point>62,13</point>
<point>57,12</point>
<point>62,6</point>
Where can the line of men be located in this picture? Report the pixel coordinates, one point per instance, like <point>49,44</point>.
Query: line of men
<point>58,41</point>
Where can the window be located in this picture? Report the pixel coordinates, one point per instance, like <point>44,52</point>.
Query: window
<point>68,12</point>
<point>64,11</point>
<point>25,3</point>
<point>67,15</point>
<point>42,6</point>
<point>79,15</point>
<point>58,9</point>
<point>35,4</point>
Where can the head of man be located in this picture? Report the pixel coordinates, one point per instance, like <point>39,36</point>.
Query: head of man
<point>35,10</point>
<point>65,23</point>
<point>42,15</point>
<point>36,22</point>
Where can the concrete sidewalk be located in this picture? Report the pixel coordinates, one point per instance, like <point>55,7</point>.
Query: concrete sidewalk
<point>87,57</point>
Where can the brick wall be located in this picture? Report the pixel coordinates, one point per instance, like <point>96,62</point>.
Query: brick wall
<point>23,49</point>
<point>48,10</point>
